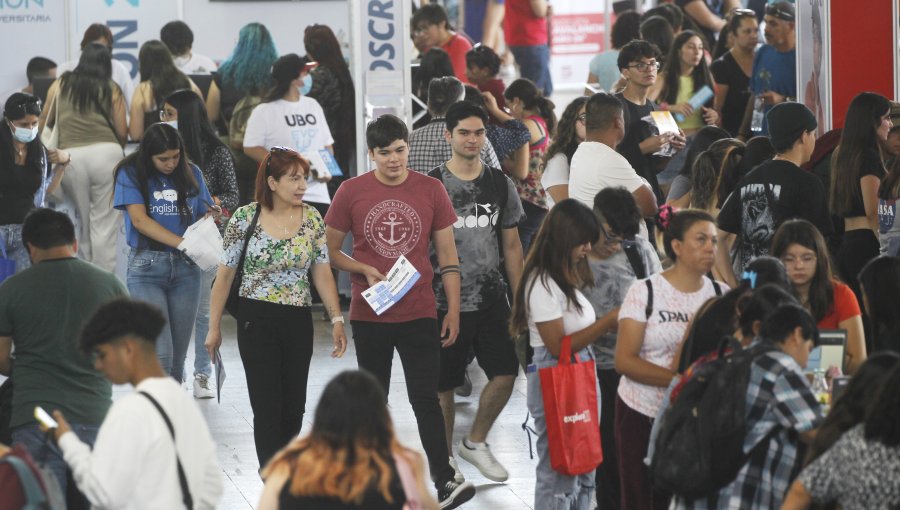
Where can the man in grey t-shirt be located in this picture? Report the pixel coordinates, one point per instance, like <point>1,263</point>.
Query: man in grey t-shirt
<point>618,259</point>
<point>487,241</point>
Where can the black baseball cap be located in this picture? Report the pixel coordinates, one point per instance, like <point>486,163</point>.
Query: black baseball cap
<point>782,10</point>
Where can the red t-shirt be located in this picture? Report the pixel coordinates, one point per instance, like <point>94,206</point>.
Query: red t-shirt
<point>845,307</point>
<point>457,47</point>
<point>521,26</point>
<point>386,222</point>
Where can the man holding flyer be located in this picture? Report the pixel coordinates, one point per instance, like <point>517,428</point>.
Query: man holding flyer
<point>395,213</point>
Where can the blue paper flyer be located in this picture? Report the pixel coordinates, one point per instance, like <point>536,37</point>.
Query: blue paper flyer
<point>387,293</point>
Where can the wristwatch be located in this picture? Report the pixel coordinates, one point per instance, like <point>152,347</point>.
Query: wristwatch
<point>335,320</point>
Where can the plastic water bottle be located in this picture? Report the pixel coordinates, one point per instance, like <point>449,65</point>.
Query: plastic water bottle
<point>756,123</point>
<point>820,387</point>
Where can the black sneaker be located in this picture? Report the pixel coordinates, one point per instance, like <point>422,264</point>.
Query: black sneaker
<point>453,494</point>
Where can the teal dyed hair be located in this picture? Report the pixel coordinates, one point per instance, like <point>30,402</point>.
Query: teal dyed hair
<point>250,65</point>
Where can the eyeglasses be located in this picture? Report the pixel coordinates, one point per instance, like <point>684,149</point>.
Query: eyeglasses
<point>163,116</point>
<point>421,29</point>
<point>790,260</point>
<point>644,66</point>
<point>31,106</point>
<point>612,240</point>
<point>780,12</point>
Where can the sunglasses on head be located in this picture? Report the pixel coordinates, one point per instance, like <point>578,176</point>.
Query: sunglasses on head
<point>276,150</point>
<point>31,106</point>
<point>779,12</point>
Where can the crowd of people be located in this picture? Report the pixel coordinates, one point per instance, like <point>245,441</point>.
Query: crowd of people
<point>652,256</point>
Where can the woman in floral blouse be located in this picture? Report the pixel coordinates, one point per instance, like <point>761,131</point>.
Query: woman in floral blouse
<point>275,330</point>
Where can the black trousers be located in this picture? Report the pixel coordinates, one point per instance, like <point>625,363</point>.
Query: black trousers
<point>418,344</point>
<point>609,493</point>
<point>276,345</point>
<point>858,247</point>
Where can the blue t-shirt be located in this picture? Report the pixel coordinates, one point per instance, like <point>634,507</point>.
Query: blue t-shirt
<point>776,72</point>
<point>163,205</point>
<point>605,66</point>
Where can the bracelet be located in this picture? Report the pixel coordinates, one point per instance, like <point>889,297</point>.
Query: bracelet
<point>335,320</point>
<point>449,270</point>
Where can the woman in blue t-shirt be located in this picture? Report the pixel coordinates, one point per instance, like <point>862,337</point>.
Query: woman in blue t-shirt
<point>162,194</point>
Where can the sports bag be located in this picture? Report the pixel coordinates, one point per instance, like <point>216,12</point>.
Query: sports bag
<point>570,409</point>
<point>700,446</point>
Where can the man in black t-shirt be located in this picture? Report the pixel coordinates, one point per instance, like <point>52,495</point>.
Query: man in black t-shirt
<point>773,192</point>
<point>639,64</point>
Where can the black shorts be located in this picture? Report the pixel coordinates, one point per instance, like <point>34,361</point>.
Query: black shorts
<point>487,332</point>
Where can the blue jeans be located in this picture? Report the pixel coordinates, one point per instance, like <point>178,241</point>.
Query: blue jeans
<point>202,363</point>
<point>529,226</point>
<point>171,282</point>
<point>11,236</point>
<point>553,490</point>
<point>44,449</point>
<point>534,64</point>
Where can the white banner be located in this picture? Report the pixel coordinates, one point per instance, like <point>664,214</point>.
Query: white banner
<point>29,28</point>
<point>814,60</point>
<point>577,33</point>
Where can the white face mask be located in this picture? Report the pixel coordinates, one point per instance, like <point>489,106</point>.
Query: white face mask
<point>182,60</point>
<point>24,135</point>
<point>173,123</point>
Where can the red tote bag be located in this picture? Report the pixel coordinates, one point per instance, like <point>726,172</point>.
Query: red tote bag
<point>570,408</point>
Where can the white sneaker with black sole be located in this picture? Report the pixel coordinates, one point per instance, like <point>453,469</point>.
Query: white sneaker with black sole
<point>453,494</point>
<point>202,387</point>
<point>480,456</point>
<point>457,474</point>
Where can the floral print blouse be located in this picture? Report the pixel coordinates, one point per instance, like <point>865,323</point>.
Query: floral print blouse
<point>276,270</point>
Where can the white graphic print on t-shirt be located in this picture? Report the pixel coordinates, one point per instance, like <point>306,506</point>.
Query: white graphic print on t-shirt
<point>159,205</point>
<point>758,220</point>
<point>392,228</point>
<point>488,217</point>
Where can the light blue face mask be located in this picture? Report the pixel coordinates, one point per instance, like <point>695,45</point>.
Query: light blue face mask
<point>307,85</point>
<point>25,135</point>
<point>173,123</point>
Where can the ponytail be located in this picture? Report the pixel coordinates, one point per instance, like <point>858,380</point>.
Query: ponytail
<point>532,98</point>
<point>703,181</point>
<point>730,174</point>
<point>546,109</point>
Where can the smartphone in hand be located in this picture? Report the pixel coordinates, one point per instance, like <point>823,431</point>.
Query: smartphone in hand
<point>44,418</point>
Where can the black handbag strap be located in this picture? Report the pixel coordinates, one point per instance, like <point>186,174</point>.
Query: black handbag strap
<point>240,268</point>
<point>182,479</point>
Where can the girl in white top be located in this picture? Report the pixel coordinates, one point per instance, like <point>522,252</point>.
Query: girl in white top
<point>570,132</point>
<point>287,118</point>
<point>550,306</point>
<point>646,346</point>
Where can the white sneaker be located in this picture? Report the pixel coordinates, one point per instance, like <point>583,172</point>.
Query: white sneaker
<point>457,474</point>
<point>480,456</point>
<point>202,388</point>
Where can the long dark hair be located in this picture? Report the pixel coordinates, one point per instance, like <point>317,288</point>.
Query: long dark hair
<point>884,412</point>
<point>568,225</point>
<point>757,150</point>
<point>159,138</point>
<point>708,170</point>
<point>821,287</point>
<point>566,140</point>
<point>322,45</point>
<point>700,74</point>
<point>533,98</point>
<point>702,140</point>
<point>90,81</point>
<point>17,106</point>
<point>344,457</point>
<point>159,69</point>
<point>849,409</point>
<point>200,139</point>
<point>657,30</point>
<point>858,138</point>
<point>880,281</point>
<point>889,188</point>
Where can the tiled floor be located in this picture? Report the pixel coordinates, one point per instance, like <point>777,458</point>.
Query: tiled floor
<point>231,423</point>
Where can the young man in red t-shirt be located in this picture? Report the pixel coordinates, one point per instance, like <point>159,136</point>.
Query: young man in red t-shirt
<point>394,212</point>
<point>432,27</point>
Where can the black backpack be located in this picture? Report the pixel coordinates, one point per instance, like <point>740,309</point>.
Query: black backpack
<point>700,446</point>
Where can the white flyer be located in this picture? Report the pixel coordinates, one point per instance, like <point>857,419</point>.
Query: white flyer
<point>385,294</point>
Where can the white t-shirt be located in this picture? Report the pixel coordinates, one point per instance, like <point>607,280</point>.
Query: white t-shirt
<point>132,464</point>
<point>298,125</point>
<point>547,302</point>
<point>596,166</point>
<point>672,311</point>
<point>556,173</point>
<point>195,64</point>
